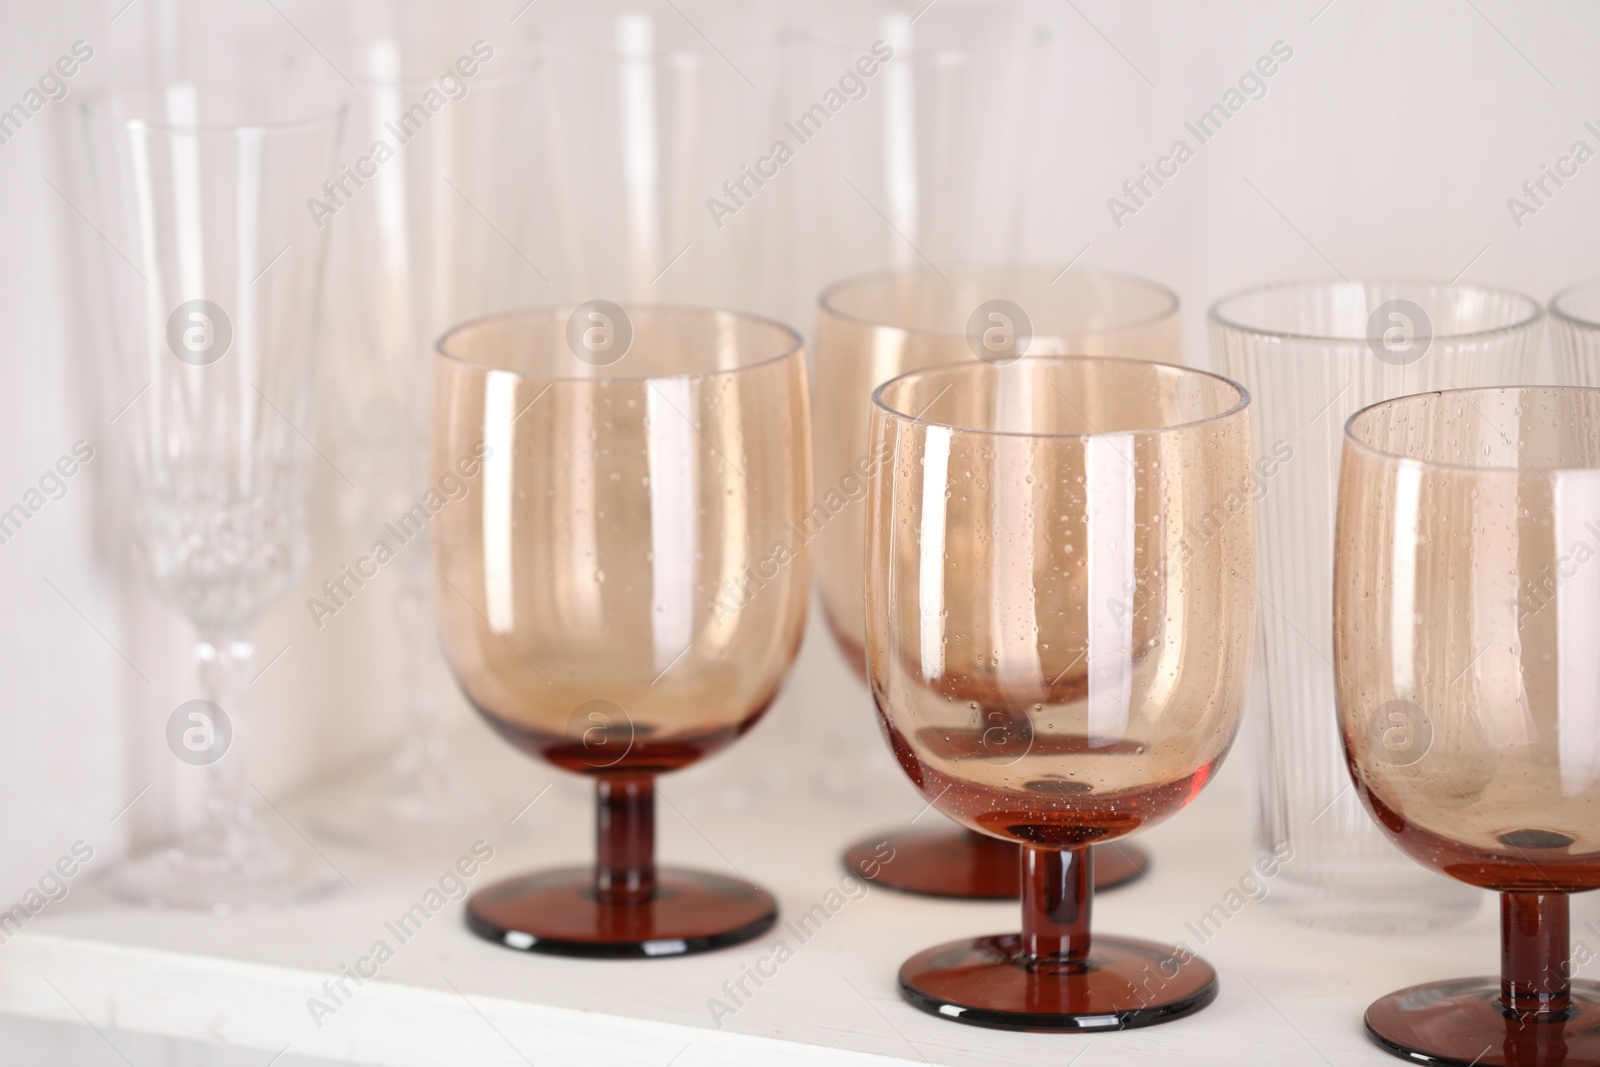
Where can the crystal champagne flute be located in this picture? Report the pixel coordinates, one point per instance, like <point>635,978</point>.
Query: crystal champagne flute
<point>215,276</point>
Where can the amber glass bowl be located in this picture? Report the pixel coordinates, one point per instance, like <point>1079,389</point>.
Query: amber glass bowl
<point>1466,608</point>
<point>1060,605</point>
<point>619,586</point>
<point>873,327</point>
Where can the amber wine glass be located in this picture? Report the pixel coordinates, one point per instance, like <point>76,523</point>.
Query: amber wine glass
<point>619,586</point>
<point>1059,620</point>
<point>875,326</point>
<point>1466,608</point>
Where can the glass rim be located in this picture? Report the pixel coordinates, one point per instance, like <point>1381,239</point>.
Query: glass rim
<point>826,305</point>
<point>794,348</point>
<point>1216,316</point>
<point>1559,311</point>
<point>524,63</point>
<point>1351,440</point>
<point>922,53</point>
<point>1239,406</point>
<point>96,105</point>
<point>554,54</point>
<point>555,44</point>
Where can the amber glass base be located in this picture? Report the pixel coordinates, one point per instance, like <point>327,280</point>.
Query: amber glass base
<point>1461,1022</point>
<point>558,912</point>
<point>948,861</point>
<point>1124,983</point>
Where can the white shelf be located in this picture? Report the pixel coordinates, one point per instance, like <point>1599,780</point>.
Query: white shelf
<point>1289,995</point>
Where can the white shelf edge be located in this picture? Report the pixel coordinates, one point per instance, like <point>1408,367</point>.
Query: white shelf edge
<point>247,1005</point>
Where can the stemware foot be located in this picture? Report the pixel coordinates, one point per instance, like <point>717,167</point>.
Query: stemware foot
<point>1124,983</point>
<point>559,912</point>
<point>1461,1022</point>
<point>424,804</point>
<point>952,862</point>
<point>241,871</point>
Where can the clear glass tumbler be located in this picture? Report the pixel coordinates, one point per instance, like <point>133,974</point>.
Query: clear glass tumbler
<point>1575,334</point>
<point>656,177</point>
<point>909,168</point>
<point>1311,354</point>
<point>656,182</point>
<point>422,237</point>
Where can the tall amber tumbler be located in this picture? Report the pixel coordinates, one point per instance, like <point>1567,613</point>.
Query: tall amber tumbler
<point>619,584</point>
<point>1059,619</point>
<point>1466,616</point>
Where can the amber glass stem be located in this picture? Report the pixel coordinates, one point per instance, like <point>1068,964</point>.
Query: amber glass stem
<point>625,839</point>
<point>1057,884</point>
<point>1534,943</point>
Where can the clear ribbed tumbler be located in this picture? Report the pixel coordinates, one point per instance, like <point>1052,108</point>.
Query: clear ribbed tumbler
<point>1575,334</point>
<point>1312,354</point>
